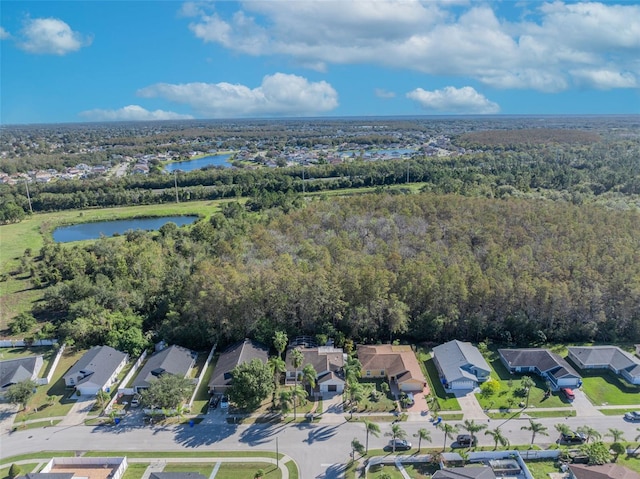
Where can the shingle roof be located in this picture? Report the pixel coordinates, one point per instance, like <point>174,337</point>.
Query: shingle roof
<point>606,471</point>
<point>96,365</point>
<point>238,353</point>
<point>610,355</point>
<point>172,360</point>
<point>13,371</point>
<point>397,361</point>
<point>456,356</point>
<point>323,358</point>
<point>543,359</point>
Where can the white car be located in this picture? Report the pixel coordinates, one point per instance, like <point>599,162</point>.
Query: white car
<point>224,402</point>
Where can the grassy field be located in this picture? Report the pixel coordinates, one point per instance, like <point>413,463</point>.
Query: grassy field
<point>604,388</point>
<point>39,407</point>
<point>536,414</point>
<point>247,470</point>
<point>383,403</point>
<point>201,401</point>
<point>24,468</point>
<point>16,293</point>
<point>135,470</point>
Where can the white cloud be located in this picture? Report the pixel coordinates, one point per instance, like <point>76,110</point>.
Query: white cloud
<point>4,34</point>
<point>132,113</point>
<point>382,93</point>
<point>51,36</point>
<point>278,95</point>
<point>454,100</point>
<point>546,49</point>
<point>605,79</point>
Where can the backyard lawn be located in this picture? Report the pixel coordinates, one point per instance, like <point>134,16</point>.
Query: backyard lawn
<point>201,401</point>
<point>39,407</point>
<point>604,388</point>
<point>201,468</point>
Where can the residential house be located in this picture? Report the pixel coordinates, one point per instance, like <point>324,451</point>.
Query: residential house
<point>605,471</point>
<point>13,371</point>
<point>97,369</point>
<point>544,363</point>
<point>398,364</point>
<point>236,354</point>
<point>607,357</point>
<point>171,360</point>
<point>460,364</point>
<point>328,363</point>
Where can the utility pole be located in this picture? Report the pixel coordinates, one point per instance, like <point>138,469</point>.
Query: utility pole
<point>175,182</point>
<point>26,184</point>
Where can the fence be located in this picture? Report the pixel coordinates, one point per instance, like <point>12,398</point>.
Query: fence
<point>21,343</point>
<point>201,376</point>
<point>122,388</point>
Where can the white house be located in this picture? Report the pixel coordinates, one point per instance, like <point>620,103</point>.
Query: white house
<point>607,357</point>
<point>97,369</point>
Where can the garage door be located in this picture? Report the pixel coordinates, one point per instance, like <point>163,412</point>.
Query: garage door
<point>332,388</point>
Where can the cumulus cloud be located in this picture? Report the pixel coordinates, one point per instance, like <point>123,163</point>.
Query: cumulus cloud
<point>548,49</point>
<point>382,93</point>
<point>132,113</point>
<point>50,36</point>
<point>454,100</point>
<point>4,34</point>
<point>278,95</point>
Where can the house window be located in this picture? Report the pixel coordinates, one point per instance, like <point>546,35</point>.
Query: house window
<point>382,373</point>
<point>368,373</point>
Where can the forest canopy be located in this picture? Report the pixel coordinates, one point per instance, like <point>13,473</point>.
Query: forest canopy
<point>373,267</point>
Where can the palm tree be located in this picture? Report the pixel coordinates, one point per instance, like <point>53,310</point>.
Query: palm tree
<point>616,434</point>
<point>527,383</point>
<point>590,432</point>
<point>280,341</point>
<point>422,434</point>
<point>396,433</point>
<point>448,430</point>
<point>498,437</point>
<point>562,428</point>
<point>278,367</point>
<point>370,428</point>
<point>535,428</point>
<point>352,369</point>
<point>298,395</point>
<point>472,428</point>
<point>356,395</point>
<point>297,358</point>
<point>285,401</point>
<point>309,376</point>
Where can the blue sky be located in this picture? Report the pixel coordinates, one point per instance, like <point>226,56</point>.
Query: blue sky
<point>143,60</point>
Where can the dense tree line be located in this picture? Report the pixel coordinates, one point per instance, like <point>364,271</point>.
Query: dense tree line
<point>425,266</point>
<point>579,171</point>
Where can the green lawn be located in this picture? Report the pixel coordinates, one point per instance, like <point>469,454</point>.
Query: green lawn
<point>379,470</point>
<point>247,470</point>
<point>135,470</point>
<point>616,411</point>
<point>37,407</point>
<point>293,470</point>
<point>383,403</point>
<point>201,402</point>
<point>540,468</point>
<point>201,468</point>
<point>604,388</point>
<point>445,401</point>
<point>533,413</point>
<point>24,468</point>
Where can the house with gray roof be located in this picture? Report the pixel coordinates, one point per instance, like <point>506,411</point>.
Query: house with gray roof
<point>13,371</point>
<point>96,370</point>
<point>607,357</point>
<point>460,365</point>
<point>328,363</point>
<point>551,367</point>
<point>236,354</point>
<point>471,472</point>
<point>171,360</point>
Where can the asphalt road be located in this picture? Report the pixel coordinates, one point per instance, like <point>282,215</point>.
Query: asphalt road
<point>319,449</point>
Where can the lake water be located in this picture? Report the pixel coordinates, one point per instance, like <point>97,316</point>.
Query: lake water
<point>88,231</point>
<point>190,165</point>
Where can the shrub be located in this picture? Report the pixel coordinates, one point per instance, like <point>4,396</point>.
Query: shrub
<point>14,471</point>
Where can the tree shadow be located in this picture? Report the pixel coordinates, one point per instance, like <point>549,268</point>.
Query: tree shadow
<point>321,434</point>
<point>335,471</point>
<point>203,434</point>
<point>259,434</point>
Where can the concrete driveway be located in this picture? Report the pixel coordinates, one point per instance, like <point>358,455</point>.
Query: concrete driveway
<point>79,411</point>
<point>583,406</point>
<point>470,405</point>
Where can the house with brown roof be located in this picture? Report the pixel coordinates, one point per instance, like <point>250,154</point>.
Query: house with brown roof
<point>328,363</point>
<point>397,363</point>
<point>605,471</point>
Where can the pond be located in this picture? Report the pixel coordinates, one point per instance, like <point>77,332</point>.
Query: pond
<point>205,161</point>
<point>88,231</point>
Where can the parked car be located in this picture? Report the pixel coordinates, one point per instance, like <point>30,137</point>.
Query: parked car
<point>224,402</point>
<point>465,440</point>
<point>568,393</point>
<point>633,416</point>
<point>573,438</point>
<point>135,402</point>
<point>213,402</point>
<point>401,445</point>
